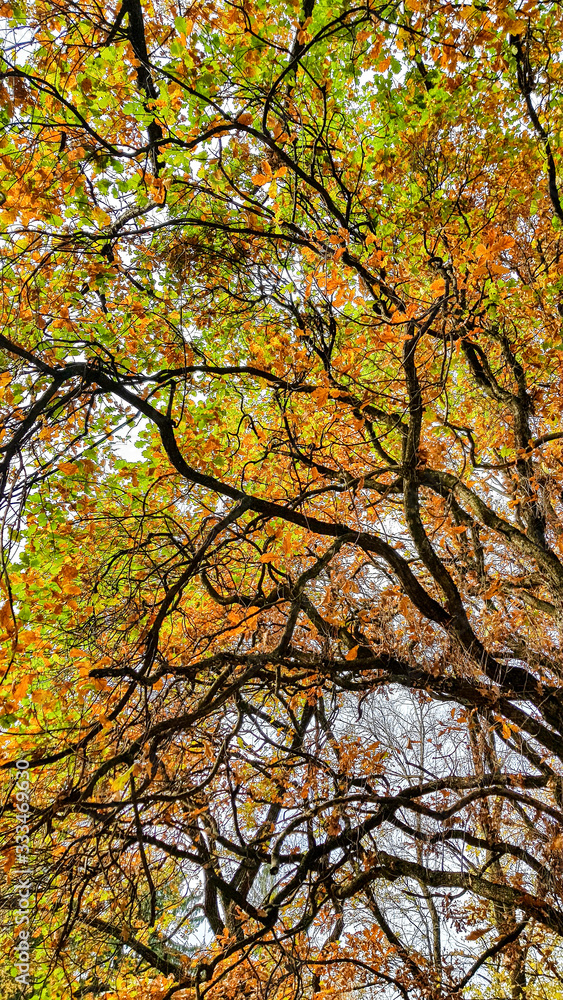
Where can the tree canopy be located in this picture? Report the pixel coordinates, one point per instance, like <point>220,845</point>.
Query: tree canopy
<point>281,472</point>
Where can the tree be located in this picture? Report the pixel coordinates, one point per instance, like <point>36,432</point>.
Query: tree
<point>281,344</point>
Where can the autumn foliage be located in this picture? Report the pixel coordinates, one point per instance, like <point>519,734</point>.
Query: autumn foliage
<point>281,472</point>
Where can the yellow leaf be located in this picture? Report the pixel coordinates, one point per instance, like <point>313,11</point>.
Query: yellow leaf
<point>101,217</point>
<point>267,557</point>
<point>352,653</point>
<point>118,783</point>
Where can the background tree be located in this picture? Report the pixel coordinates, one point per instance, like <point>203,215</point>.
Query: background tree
<point>281,305</point>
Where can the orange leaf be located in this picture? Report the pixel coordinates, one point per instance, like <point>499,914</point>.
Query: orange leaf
<point>475,935</point>
<point>20,689</point>
<point>320,395</point>
<point>42,697</point>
